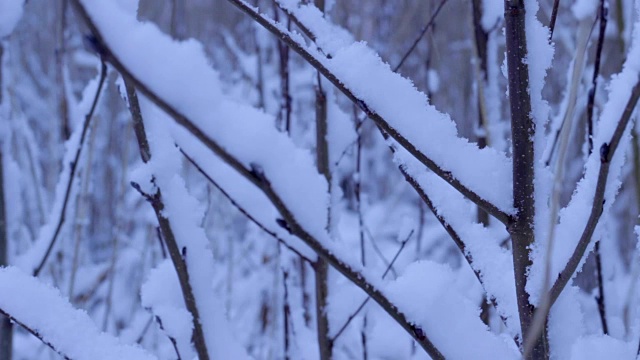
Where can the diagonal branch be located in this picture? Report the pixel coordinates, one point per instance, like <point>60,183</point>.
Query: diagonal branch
<point>607,150</point>
<point>156,201</point>
<point>447,175</point>
<point>34,333</point>
<point>242,210</point>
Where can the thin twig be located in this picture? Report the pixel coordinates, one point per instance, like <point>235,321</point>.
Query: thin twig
<point>604,14</point>
<point>176,254</point>
<point>362,305</point>
<point>73,166</point>
<point>242,210</point>
<point>606,154</point>
<point>171,338</point>
<point>377,250</point>
<point>421,34</point>
<point>602,310</point>
<point>554,16</point>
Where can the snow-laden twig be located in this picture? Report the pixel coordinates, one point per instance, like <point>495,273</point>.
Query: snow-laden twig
<point>175,253</point>
<point>42,311</point>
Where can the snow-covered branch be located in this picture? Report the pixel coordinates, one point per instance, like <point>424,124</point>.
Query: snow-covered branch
<point>409,119</point>
<point>42,311</point>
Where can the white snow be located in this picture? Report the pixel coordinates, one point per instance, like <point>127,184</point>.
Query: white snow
<point>408,111</point>
<point>70,331</point>
<point>10,14</point>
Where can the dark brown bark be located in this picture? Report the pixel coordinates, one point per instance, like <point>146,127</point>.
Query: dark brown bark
<point>521,228</point>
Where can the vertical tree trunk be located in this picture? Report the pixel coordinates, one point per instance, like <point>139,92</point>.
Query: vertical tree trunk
<point>522,129</point>
<point>6,329</point>
<point>321,266</point>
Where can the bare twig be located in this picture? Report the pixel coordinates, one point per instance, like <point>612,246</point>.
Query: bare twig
<point>171,338</point>
<point>421,34</point>
<point>362,305</point>
<point>602,310</point>
<point>72,169</point>
<point>554,16</point>
<point>604,14</point>
<point>242,210</point>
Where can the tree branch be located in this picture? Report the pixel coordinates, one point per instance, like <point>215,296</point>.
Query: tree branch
<point>242,210</point>
<point>177,256</point>
<point>34,333</point>
<point>259,180</point>
<point>607,150</point>
<point>73,166</point>
<point>286,37</point>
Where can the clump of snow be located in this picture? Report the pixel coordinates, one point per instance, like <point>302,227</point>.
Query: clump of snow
<point>445,314</point>
<point>492,13</point>
<point>10,14</point>
<point>584,8</point>
<point>69,330</point>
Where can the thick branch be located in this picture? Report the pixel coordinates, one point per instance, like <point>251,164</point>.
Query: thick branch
<point>522,132</point>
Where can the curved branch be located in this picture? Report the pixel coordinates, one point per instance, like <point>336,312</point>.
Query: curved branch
<point>73,166</point>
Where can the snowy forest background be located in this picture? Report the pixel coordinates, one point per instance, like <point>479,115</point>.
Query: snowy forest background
<point>107,197</point>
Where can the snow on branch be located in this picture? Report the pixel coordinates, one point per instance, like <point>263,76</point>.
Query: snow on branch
<point>42,311</point>
<point>599,185</point>
<point>245,139</point>
<point>397,107</point>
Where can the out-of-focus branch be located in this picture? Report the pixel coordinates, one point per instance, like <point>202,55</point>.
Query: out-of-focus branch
<point>72,170</point>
